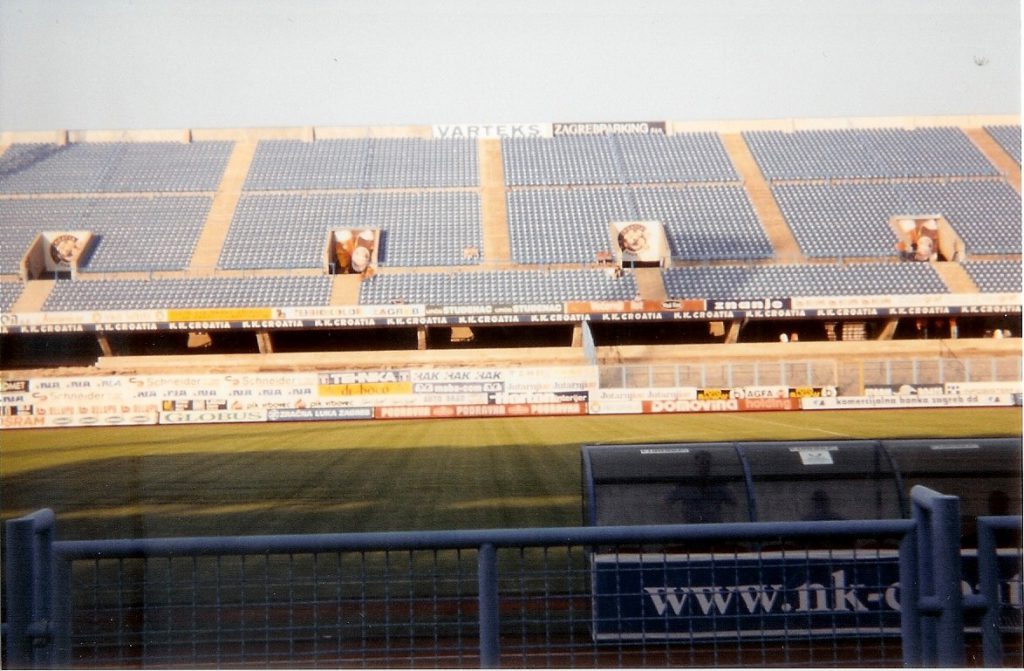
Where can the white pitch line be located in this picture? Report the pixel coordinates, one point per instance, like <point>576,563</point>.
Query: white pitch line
<point>747,416</point>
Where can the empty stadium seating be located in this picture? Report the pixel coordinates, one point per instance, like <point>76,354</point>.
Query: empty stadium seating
<point>207,292</point>
<point>995,276</point>
<point>1008,138</point>
<point>866,153</point>
<point>615,159</point>
<point>130,233</point>
<point>779,281</point>
<point>113,167</point>
<point>852,219</point>
<point>836,190</point>
<point>571,225</point>
<point>497,287</point>
<point>430,228</point>
<point>9,293</point>
<point>369,163</point>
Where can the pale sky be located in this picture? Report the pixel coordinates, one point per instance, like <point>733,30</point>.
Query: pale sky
<point>124,64</point>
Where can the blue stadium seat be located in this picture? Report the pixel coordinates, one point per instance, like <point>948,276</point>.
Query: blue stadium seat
<point>9,293</point>
<point>852,219</point>
<point>429,228</point>
<point>114,167</point>
<point>616,159</point>
<point>781,281</point>
<point>995,276</point>
<point>497,287</point>
<point>571,225</point>
<point>867,153</point>
<point>131,233</point>
<point>1008,137</point>
<point>368,163</point>
<point>205,292</point>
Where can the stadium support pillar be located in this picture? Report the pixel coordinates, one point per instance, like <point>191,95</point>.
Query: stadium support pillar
<point>732,336</point>
<point>264,342</point>
<point>577,335</point>
<point>421,338</point>
<point>104,342</point>
<point>889,330</point>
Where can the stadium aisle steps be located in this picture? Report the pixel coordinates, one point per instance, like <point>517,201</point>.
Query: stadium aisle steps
<point>345,289</point>
<point>33,296</point>
<point>215,232</point>
<point>493,209</point>
<point>956,278</point>
<point>775,226</point>
<point>650,284</point>
<point>996,155</point>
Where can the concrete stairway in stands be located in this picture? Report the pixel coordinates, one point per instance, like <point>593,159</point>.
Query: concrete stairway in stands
<point>225,200</point>
<point>996,155</point>
<point>493,210</point>
<point>760,194</point>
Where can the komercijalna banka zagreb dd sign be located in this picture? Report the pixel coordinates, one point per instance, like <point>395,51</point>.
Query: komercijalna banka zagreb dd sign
<point>800,594</point>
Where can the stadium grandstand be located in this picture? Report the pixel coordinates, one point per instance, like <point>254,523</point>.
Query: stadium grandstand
<point>757,248</point>
<point>469,233</point>
<point>622,268</point>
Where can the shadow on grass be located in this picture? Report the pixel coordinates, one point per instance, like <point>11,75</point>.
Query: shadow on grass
<point>287,492</point>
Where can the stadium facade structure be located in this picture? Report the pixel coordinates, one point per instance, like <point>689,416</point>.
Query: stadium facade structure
<point>511,245</point>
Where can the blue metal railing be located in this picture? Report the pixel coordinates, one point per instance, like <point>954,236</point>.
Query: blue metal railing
<point>988,599</point>
<point>528,597</point>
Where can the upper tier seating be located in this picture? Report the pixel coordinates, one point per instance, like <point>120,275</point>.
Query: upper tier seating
<point>1008,137</point>
<point>431,228</point>
<point>114,167</point>
<point>995,276</point>
<point>782,281</point>
<point>497,287</point>
<point>616,159</point>
<point>203,292</point>
<point>867,153</point>
<point>9,293</point>
<point>571,225</point>
<point>131,233</point>
<point>852,219</point>
<point>370,163</point>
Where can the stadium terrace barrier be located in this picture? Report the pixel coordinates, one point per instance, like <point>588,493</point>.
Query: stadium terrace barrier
<point>516,598</point>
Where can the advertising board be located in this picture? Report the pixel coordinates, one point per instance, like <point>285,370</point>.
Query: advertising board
<point>768,595</point>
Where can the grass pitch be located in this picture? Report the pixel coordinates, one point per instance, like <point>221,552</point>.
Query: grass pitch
<point>376,476</point>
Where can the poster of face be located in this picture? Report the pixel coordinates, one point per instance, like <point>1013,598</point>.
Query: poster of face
<point>62,248</point>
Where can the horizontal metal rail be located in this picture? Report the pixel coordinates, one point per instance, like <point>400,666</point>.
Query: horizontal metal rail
<point>425,540</point>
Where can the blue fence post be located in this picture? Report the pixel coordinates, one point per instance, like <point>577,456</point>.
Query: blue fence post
<point>910,614</point>
<point>988,587</point>
<point>28,571</point>
<point>989,599</point>
<point>941,602</point>
<point>487,580</point>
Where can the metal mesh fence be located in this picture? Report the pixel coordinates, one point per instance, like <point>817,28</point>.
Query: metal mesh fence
<point>835,593</point>
<point>336,609</point>
<point>849,377</point>
<point>564,606</point>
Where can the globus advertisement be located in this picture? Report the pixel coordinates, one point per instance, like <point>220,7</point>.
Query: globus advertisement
<point>767,595</point>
